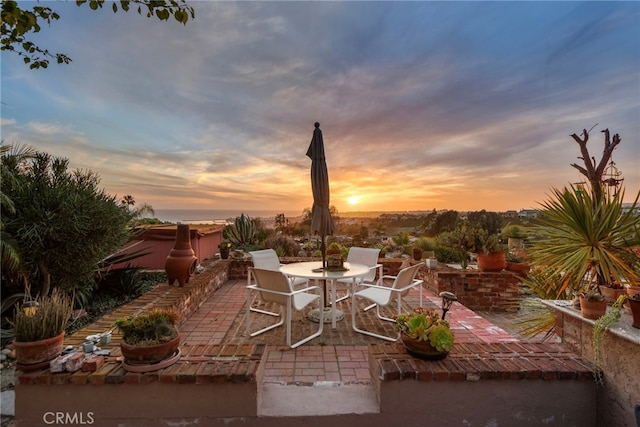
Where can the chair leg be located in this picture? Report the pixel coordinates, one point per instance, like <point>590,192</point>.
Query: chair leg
<point>248,322</point>
<point>310,337</point>
<point>362,331</point>
<point>369,307</point>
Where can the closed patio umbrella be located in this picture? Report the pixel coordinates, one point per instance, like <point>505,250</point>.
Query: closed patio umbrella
<point>321,221</point>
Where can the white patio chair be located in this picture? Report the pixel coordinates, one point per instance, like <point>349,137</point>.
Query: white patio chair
<point>275,287</point>
<point>383,295</point>
<point>267,259</point>
<point>365,256</point>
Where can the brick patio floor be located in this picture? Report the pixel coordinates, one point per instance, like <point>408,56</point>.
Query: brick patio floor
<point>337,356</point>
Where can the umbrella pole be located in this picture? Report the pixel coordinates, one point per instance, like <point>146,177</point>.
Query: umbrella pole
<point>323,249</point>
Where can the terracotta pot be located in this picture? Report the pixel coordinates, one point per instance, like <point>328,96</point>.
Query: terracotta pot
<point>634,305</point>
<point>34,355</point>
<point>149,354</point>
<point>495,261</point>
<point>632,290</point>
<point>519,268</point>
<point>592,309</point>
<point>417,254</point>
<point>421,349</point>
<point>611,294</point>
<point>181,262</point>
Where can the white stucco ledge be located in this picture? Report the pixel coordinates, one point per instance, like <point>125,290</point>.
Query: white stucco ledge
<point>621,328</point>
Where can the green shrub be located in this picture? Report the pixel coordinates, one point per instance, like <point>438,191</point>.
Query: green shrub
<point>284,246</point>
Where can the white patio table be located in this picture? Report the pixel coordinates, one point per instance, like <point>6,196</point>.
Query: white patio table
<point>312,270</point>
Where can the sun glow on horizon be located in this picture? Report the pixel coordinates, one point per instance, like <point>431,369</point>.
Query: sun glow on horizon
<point>353,200</point>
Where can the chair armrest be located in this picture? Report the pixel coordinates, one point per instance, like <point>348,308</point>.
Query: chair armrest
<point>271,291</point>
<point>413,283</point>
<point>306,289</point>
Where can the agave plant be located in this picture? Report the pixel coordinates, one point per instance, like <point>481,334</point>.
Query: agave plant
<point>586,240</point>
<point>242,232</point>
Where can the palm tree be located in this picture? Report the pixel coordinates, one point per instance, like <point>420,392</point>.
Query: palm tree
<point>128,201</point>
<point>585,237</point>
<point>12,159</point>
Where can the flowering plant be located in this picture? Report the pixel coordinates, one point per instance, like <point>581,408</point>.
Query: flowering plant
<point>425,324</point>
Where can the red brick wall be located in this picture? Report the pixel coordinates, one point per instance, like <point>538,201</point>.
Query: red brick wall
<point>475,289</point>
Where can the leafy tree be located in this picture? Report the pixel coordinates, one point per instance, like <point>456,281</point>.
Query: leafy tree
<point>446,221</point>
<point>490,221</point>
<point>281,221</point>
<point>379,229</point>
<point>64,225</point>
<point>137,213</point>
<point>17,23</point>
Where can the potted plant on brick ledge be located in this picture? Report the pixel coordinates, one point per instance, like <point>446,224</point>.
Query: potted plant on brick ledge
<point>490,251</point>
<point>149,341</point>
<point>424,334</point>
<point>39,330</point>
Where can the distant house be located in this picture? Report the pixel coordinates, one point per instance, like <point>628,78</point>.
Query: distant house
<point>510,214</point>
<point>627,208</point>
<point>528,213</point>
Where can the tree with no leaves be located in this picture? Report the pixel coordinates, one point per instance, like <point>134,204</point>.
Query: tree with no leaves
<point>591,170</point>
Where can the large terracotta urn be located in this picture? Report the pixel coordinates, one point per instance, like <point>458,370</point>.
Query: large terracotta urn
<point>181,262</point>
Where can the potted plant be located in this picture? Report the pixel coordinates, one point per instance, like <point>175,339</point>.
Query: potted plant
<point>592,304</point>
<point>489,249</point>
<point>424,334</point>
<point>428,246</point>
<point>517,262</point>
<point>611,291</point>
<point>149,338</point>
<point>634,304</point>
<point>39,330</point>
<point>224,247</point>
<point>587,239</point>
<point>453,246</point>
<point>417,253</point>
<point>383,250</point>
<point>515,235</point>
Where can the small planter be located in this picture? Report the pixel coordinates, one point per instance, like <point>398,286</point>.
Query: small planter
<point>147,355</point>
<point>634,306</point>
<point>417,254</point>
<point>495,261</point>
<point>632,290</point>
<point>611,294</point>
<point>592,309</point>
<point>34,355</point>
<point>519,268</point>
<point>421,349</point>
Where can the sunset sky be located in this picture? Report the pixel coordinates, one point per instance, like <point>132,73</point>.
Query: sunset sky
<point>423,105</point>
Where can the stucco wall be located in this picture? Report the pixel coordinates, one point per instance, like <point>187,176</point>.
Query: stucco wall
<point>619,360</point>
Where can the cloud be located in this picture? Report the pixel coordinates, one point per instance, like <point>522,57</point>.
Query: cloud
<point>422,104</point>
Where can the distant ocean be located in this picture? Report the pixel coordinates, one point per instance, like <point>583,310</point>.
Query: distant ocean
<point>207,216</point>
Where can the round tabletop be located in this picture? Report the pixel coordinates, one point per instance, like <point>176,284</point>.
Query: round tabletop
<point>313,270</point>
